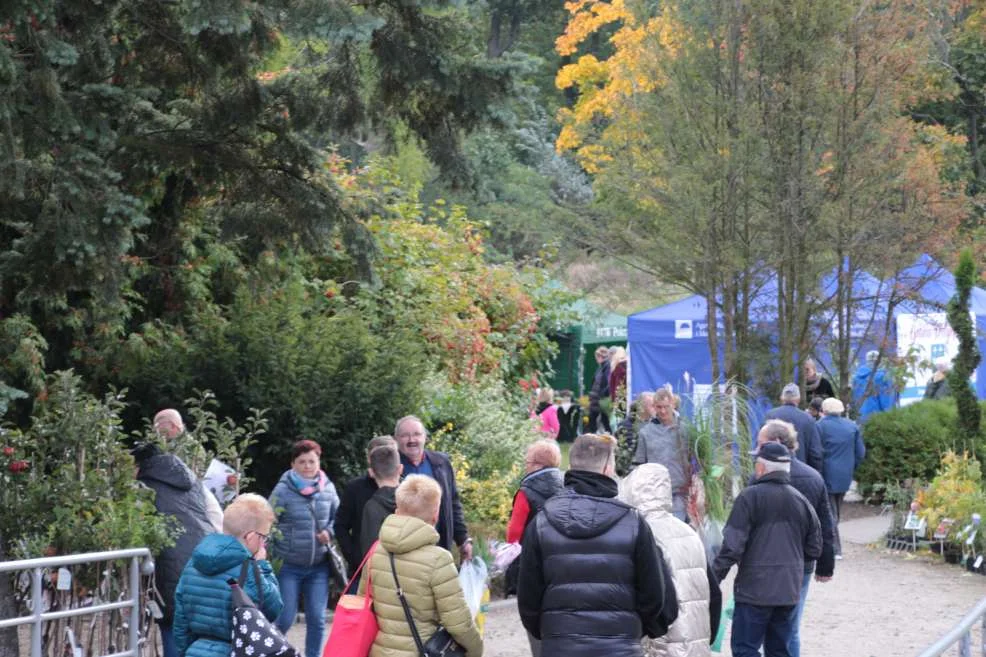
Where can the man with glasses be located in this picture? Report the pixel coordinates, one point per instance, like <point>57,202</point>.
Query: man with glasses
<point>592,579</point>
<point>411,436</point>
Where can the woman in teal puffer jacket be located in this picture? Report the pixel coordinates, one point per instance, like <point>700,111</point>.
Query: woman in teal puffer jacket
<point>203,600</point>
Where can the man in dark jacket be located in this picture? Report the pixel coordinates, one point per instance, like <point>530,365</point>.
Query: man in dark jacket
<point>411,437</point>
<point>385,468</point>
<point>592,579</point>
<point>771,531</point>
<point>349,517</point>
<point>809,443</point>
<point>177,493</point>
<point>810,484</point>
<point>598,391</point>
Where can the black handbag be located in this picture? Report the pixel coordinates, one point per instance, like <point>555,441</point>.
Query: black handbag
<point>252,634</point>
<point>441,643</point>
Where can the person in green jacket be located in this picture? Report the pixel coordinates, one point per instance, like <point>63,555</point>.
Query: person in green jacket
<point>203,599</point>
<point>427,574</point>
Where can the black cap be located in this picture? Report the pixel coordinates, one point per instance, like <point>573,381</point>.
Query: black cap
<point>775,452</point>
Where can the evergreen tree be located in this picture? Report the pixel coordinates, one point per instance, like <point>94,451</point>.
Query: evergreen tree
<point>965,363</point>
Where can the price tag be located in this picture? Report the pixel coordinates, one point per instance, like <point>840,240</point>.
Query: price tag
<point>155,610</point>
<point>64,579</point>
<point>979,561</point>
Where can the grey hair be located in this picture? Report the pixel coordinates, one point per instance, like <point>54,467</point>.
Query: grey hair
<point>774,466</point>
<point>779,431</point>
<point>942,364</point>
<point>791,393</point>
<point>810,361</point>
<point>409,418</point>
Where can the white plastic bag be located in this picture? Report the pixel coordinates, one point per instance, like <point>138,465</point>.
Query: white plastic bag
<point>472,578</point>
<point>503,556</point>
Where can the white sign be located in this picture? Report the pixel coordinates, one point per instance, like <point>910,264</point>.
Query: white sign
<point>684,329</point>
<point>930,337</point>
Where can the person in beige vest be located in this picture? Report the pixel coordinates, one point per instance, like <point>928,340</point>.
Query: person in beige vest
<point>648,488</point>
<point>427,575</point>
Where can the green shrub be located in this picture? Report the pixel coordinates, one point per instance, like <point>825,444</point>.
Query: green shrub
<point>480,422</point>
<point>67,484</point>
<point>908,443</point>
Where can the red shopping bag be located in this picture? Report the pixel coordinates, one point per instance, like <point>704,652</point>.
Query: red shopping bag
<point>354,625</point>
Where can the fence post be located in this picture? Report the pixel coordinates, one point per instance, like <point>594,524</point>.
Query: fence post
<point>135,610</point>
<point>965,645</point>
<point>37,598</point>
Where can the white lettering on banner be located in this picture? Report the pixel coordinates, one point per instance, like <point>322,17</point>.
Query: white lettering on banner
<point>611,332</point>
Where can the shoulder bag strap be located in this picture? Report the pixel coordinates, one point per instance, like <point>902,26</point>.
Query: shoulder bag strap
<point>241,582</point>
<point>407,609</point>
<point>359,569</point>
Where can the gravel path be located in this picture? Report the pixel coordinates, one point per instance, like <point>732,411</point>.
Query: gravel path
<point>879,604</point>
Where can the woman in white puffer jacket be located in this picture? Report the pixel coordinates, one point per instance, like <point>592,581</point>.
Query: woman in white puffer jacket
<point>648,488</point>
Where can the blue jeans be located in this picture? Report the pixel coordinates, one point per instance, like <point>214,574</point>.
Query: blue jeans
<point>168,647</point>
<point>755,626</point>
<point>313,583</point>
<point>794,644</point>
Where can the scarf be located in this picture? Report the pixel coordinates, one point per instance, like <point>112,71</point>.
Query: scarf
<point>308,487</point>
<point>542,407</point>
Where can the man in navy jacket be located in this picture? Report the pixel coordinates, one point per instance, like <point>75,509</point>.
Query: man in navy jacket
<point>411,435</point>
<point>809,443</point>
<point>771,531</point>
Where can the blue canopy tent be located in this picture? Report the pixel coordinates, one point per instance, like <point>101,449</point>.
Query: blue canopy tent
<point>669,344</point>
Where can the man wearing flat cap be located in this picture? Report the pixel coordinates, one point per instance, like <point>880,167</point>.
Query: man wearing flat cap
<point>771,531</point>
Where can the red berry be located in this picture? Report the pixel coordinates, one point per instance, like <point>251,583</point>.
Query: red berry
<point>8,451</point>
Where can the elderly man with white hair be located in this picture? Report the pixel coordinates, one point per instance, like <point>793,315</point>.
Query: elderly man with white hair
<point>844,450</point>
<point>809,448</point>
<point>937,387</point>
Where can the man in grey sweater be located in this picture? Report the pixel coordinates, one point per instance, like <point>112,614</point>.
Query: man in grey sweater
<point>664,440</point>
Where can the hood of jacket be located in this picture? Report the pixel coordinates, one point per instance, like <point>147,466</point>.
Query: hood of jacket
<point>217,553</point>
<point>648,488</point>
<point>402,534</point>
<point>168,469</point>
<point>583,516</point>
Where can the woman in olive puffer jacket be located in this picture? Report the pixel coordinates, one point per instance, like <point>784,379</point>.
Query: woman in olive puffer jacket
<point>427,576</point>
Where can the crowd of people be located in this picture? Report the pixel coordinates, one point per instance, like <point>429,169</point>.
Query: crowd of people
<point>606,565</point>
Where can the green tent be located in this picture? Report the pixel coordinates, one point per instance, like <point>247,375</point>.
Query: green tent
<point>575,364</point>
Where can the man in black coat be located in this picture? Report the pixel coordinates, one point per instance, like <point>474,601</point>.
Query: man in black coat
<point>810,484</point>
<point>809,442</point>
<point>592,579</point>
<point>411,437</point>
<point>385,468</point>
<point>177,493</point>
<point>349,517</point>
<point>771,531</point>
<point>598,391</point>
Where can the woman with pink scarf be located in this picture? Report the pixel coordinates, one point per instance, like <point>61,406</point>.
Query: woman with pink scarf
<point>305,502</point>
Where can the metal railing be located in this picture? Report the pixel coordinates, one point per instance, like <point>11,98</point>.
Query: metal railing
<point>962,634</point>
<point>38,616</point>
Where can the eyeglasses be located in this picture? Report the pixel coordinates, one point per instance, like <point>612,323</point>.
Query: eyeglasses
<point>263,537</point>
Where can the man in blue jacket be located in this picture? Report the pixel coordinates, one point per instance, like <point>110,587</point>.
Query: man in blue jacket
<point>844,451</point>
<point>203,601</point>
<point>411,436</point>
<point>809,444</point>
<point>771,531</point>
